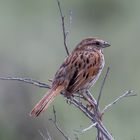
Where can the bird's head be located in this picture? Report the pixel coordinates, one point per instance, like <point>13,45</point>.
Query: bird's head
<point>92,43</point>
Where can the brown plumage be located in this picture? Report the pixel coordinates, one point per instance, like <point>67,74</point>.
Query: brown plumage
<point>79,71</point>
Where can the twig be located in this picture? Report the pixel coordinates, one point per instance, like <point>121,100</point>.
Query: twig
<point>56,125</point>
<point>101,89</point>
<point>126,94</point>
<point>63,27</point>
<point>88,128</point>
<point>27,80</point>
<point>98,100</point>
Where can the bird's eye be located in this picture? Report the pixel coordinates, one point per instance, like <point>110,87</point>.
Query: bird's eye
<point>97,43</point>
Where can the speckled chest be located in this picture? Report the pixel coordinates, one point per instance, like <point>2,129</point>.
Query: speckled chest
<point>100,65</point>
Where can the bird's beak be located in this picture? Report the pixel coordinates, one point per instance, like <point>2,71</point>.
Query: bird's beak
<point>106,44</point>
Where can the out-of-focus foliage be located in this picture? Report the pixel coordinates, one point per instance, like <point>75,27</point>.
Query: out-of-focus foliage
<point>31,45</point>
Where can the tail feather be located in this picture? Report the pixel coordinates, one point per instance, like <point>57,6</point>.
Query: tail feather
<point>43,104</point>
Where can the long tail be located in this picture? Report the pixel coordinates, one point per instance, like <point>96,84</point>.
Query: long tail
<point>43,104</point>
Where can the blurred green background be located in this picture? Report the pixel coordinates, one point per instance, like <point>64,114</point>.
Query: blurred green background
<point>31,45</point>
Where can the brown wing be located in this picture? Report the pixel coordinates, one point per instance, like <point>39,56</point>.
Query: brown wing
<point>86,66</point>
<point>78,70</point>
<point>83,79</point>
<point>65,72</point>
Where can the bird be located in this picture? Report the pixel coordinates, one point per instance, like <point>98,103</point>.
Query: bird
<point>79,71</point>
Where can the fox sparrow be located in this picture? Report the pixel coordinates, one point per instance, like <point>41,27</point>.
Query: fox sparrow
<point>79,71</point>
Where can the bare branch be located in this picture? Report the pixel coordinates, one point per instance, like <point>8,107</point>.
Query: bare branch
<point>75,102</point>
<point>27,80</point>
<point>101,89</point>
<point>99,135</point>
<point>93,118</point>
<point>56,125</point>
<point>63,27</point>
<point>128,93</point>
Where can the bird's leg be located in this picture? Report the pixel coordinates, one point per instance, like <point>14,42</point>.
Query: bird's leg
<point>91,97</point>
<point>88,97</point>
<point>68,96</point>
<point>92,103</point>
